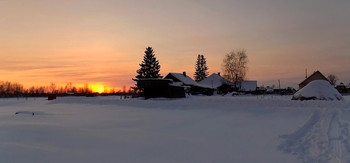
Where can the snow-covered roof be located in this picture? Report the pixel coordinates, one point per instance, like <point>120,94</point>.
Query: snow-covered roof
<point>214,81</point>
<point>177,84</point>
<point>186,80</point>
<point>154,79</point>
<point>318,90</point>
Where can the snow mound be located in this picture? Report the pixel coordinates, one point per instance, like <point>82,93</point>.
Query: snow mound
<point>318,90</point>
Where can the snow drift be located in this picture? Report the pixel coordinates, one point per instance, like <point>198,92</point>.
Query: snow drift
<point>318,90</point>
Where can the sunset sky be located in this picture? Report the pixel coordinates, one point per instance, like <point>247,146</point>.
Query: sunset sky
<point>103,41</point>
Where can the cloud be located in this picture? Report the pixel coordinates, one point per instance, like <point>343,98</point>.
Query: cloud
<point>108,72</point>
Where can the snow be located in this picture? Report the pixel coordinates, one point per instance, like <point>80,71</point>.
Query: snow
<point>177,84</point>
<point>196,129</point>
<point>318,89</point>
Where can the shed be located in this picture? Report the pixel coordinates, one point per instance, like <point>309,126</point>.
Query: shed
<point>51,96</point>
<point>156,87</point>
<point>341,88</point>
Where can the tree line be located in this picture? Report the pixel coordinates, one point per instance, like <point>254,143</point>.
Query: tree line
<point>14,89</point>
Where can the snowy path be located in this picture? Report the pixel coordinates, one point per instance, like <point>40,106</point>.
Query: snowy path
<point>334,138</point>
<point>323,138</point>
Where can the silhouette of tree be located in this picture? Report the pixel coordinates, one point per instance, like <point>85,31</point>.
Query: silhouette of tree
<point>8,89</point>
<point>69,87</point>
<point>52,87</point>
<point>149,68</point>
<point>201,68</point>
<point>235,66</point>
<point>332,79</point>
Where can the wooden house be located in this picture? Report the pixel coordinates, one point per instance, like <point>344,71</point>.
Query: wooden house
<point>220,84</point>
<point>187,81</point>
<point>317,75</point>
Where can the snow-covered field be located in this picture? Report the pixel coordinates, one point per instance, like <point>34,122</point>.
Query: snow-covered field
<point>200,129</point>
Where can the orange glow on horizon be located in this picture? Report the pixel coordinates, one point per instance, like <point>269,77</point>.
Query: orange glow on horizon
<point>98,89</point>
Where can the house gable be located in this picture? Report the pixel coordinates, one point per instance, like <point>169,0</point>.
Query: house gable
<point>315,76</point>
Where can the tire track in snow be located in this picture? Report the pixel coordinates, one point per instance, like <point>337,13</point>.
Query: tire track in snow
<point>323,138</point>
<point>335,138</point>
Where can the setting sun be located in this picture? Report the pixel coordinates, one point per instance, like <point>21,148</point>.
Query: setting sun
<point>98,88</point>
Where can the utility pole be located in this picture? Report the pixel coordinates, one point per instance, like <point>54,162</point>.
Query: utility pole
<point>279,84</point>
<point>305,73</point>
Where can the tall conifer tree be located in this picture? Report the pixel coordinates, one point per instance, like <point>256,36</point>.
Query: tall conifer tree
<point>149,67</point>
<point>201,68</point>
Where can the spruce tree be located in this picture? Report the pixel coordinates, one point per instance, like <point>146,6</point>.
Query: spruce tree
<point>201,68</point>
<point>149,68</point>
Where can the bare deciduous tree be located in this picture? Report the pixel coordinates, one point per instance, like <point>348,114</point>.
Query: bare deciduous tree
<point>52,87</point>
<point>332,79</point>
<point>235,65</point>
<point>69,87</point>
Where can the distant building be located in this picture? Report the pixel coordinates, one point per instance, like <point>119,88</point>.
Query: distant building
<point>342,88</point>
<point>315,76</point>
<point>185,80</point>
<point>224,86</point>
<point>248,85</point>
<point>51,96</point>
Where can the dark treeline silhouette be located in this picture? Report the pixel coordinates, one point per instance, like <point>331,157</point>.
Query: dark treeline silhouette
<point>8,89</point>
<point>14,89</point>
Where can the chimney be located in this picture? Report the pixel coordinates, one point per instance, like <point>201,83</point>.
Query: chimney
<point>219,73</point>
<point>184,73</point>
